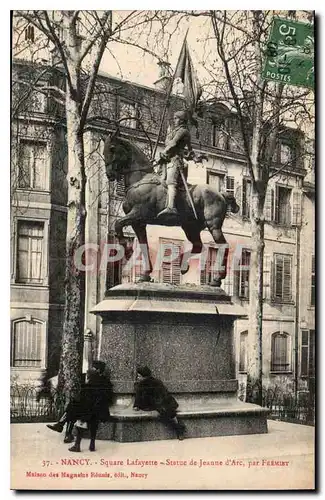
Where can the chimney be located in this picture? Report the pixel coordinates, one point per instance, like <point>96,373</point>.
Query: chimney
<point>164,76</point>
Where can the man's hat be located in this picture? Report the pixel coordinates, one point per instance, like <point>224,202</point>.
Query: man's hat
<point>99,365</point>
<point>182,115</point>
<point>144,371</point>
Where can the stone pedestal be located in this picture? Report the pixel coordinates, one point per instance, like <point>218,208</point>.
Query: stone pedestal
<point>185,335</point>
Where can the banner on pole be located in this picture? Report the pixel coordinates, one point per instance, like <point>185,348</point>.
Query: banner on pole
<point>290,53</point>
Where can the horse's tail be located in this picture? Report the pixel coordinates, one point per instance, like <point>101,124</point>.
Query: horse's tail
<point>231,201</point>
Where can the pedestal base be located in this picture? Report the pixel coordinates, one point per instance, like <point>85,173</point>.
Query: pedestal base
<point>185,335</point>
<point>229,420</point>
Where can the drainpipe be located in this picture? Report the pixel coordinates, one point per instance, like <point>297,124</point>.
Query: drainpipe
<point>296,321</point>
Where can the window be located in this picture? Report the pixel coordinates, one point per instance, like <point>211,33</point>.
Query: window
<point>32,165</point>
<point>215,180</point>
<point>119,188</point>
<point>30,244</point>
<point>285,153</point>
<point>243,352</point>
<point>129,112</point>
<point>241,275</point>
<point>219,136</point>
<point>38,101</point>
<point>230,185</point>
<point>208,271</point>
<point>246,198</point>
<point>282,278</point>
<point>313,282</point>
<point>235,142</point>
<point>282,205</point>
<point>27,343</point>
<point>280,360</point>
<point>171,269</point>
<point>307,363</point>
<point>30,34</point>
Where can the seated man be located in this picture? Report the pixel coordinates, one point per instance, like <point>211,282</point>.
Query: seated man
<point>151,394</point>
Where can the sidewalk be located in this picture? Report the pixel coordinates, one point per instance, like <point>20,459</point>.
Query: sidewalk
<point>281,459</point>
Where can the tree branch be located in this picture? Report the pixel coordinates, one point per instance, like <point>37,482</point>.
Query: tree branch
<point>94,71</point>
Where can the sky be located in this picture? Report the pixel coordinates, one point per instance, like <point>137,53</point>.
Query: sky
<point>135,65</point>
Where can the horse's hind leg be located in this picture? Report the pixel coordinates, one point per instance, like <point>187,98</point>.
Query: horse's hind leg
<point>222,258</point>
<point>127,220</point>
<point>193,234</point>
<point>141,233</point>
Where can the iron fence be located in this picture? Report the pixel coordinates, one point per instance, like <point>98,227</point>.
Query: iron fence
<point>30,404</point>
<point>286,406</point>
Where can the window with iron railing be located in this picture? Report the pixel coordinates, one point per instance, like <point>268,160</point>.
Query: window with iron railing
<point>30,249</point>
<point>27,343</point>
<point>32,165</point>
<point>241,275</point>
<point>280,355</point>
<point>208,268</point>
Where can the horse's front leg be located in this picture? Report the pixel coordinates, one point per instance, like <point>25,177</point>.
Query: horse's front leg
<point>222,257</point>
<point>141,233</point>
<point>193,234</point>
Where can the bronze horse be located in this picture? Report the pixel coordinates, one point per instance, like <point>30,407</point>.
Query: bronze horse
<point>146,197</point>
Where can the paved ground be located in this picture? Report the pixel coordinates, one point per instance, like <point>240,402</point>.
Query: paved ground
<point>281,459</point>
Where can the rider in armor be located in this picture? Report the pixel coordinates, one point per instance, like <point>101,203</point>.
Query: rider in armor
<point>178,145</point>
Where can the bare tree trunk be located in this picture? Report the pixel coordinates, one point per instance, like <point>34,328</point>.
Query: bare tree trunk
<point>72,338</point>
<point>255,354</point>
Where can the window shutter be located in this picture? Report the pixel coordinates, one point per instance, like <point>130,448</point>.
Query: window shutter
<point>276,205</point>
<point>240,198</point>
<point>203,275</point>
<point>228,283</point>
<point>313,282</point>
<point>243,352</point>
<point>283,278</point>
<point>304,353</point>
<point>267,268</point>
<point>287,278</point>
<point>120,187</point>
<point>244,274</point>
<point>230,184</point>
<point>236,275</point>
<point>171,271</point>
<point>269,205</point>
<point>296,208</point>
<point>278,276</point>
<point>207,272</point>
<point>311,360</point>
<point>246,198</point>
<point>27,343</point>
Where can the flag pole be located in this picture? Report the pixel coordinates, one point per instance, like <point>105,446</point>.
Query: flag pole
<point>167,100</point>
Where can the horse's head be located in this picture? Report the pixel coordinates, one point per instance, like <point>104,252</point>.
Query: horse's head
<point>231,201</point>
<point>118,156</point>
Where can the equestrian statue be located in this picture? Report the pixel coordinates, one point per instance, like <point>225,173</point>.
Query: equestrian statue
<point>165,198</point>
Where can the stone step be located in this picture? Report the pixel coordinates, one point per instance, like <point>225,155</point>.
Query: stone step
<point>128,425</point>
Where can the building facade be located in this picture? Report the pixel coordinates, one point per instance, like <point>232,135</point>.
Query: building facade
<point>39,197</point>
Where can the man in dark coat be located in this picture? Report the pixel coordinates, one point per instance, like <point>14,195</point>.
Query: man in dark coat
<point>151,394</point>
<point>68,417</point>
<point>95,399</point>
